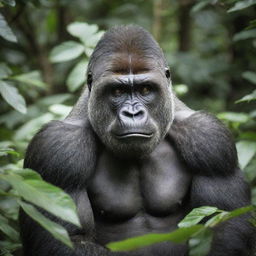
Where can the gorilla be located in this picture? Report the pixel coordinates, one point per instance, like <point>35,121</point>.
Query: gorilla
<point>135,159</point>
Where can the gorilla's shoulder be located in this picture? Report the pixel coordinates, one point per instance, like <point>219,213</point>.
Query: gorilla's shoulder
<point>204,143</point>
<point>62,149</point>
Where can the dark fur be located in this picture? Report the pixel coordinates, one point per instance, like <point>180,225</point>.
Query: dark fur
<point>66,153</point>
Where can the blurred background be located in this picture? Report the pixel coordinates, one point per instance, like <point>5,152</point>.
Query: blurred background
<point>210,46</point>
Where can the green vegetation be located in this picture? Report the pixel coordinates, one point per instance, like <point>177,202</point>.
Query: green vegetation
<point>45,45</point>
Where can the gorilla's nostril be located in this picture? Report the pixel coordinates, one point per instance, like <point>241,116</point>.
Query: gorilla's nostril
<point>140,114</point>
<point>127,113</point>
<point>133,114</point>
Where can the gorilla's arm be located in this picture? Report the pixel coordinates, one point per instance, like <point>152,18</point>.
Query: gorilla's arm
<point>64,154</point>
<point>207,149</point>
<point>233,236</point>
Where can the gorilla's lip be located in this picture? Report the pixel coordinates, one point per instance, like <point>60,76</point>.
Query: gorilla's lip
<point>134,135</point>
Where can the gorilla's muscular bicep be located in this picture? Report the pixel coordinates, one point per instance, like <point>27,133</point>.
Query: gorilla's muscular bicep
<point>52,152</point>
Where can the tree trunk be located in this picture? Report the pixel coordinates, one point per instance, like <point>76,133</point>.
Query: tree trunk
<point>158,8</point>
<point>184,21</point>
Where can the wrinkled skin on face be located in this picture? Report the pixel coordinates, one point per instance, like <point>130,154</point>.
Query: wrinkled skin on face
<point>131,112</point>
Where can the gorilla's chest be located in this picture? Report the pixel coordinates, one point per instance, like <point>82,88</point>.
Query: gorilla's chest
<point>120,189</point>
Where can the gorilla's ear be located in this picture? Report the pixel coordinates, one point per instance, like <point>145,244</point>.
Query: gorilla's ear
<point>167,73</point>
<point>89,80</point>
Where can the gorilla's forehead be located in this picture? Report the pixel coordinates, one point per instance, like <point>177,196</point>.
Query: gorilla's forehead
<point>129,66</point>
<point>130,62</point>
<point>131,79</point>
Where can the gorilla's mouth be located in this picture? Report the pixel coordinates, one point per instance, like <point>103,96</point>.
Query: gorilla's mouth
<point>134,135</point>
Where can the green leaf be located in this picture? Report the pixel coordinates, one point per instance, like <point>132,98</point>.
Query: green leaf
<point>66,51</point>
<point>7,229</point>
<point>46,196</point>
<point>91,41</point>
<point>88,51</point>
<point>196,215</point>
<point>12,96</point>
<point>242,5</point>
<point>27,130</point>
<point>250,135</point>
<point>5,149</point>
<point>224,216</point>
<point>27,174</point>
<point>200,244</point>
<point>247,34</point>
<point>33,78</point>
<point>55,99</point>
<point>9,2</point>
<point>5,71</point>
<point>8,151</point>
<point>82,29</point>
<point>180,89</point>
<point>178,236</point>
<point>9,246</point>
<point>5,30</point>
<point>60,110</point>
<point>200,5</point>
<point>234,117</point>
<point>55,229</point>
<point>246,150</point>
<point>215,220</point>
<point>248,97</point>
<point>250,76</point>
<point>9,205</point>
<point>77,76</point>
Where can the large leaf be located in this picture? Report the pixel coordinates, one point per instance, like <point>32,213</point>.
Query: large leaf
<point>77,76</point>
<point>5,30</point>
<point>247,34</point>
<point>60,110</point>
<point>8,246</point>
<point>224,216</point>
<point>250,76</point>
<point>27,174</point>
<point>9,2</point>
<point>33,78</point>
<point>178,236</point>
<point>5,149</point>
<point>27,130</point>
<point>82,29</point>
<point>46,196</point>
<point>246,150</point>
<point>7,229</point>
<point>242,5</point>
<point>200,244</point>
<point>55,229</point>
<point>234,117</point>
<point>55,99</point>
<point>200,5</point>
<point>91,41</point>
<point>12,96</point>
<point>248,97</point>
<point>66,51</point>
<point>5,71</point>
<point>196,215</point>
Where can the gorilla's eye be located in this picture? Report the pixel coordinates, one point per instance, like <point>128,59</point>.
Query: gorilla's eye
<point>117,92</point>
<point>145,90</point>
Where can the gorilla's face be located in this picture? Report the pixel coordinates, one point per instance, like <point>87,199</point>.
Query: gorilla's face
<point>131,112</point>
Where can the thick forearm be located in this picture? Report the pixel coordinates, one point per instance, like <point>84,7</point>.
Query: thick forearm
<point>233,238</point>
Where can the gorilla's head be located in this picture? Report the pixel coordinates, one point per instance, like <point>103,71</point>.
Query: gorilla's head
<point>130,102</point>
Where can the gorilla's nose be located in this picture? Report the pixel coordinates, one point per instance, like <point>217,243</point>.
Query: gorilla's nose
<point>133,113</point>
